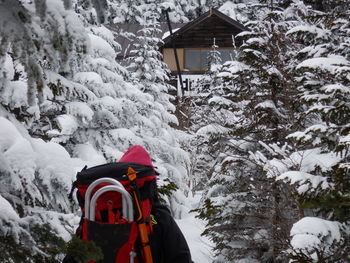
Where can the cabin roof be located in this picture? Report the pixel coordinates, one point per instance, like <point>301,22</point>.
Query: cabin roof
<point>207,18</point>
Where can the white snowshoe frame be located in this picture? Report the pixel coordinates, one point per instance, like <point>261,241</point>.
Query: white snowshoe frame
<point>115,186</point>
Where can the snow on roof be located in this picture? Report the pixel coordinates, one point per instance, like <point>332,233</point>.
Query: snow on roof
<point>167,33</point>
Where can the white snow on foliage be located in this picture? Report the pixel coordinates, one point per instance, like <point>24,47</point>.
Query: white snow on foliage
<point>307,160</point>
<point>88,154</point>
<point>25,156</point>
<point>307,181</point>
<point>79,109</point>
<point>91,101</point>
<point>313,232</point>
<point>332,63</point>
<point>7,213</point>
<point>316,31</point>
<point>231,68</point>
<point>88,77</point>
<point>220,101</point>
<point>101,46</point>
<point>212,129</point>
<point>336,88</point>
<point>67,124</point>
<point>34,168</point>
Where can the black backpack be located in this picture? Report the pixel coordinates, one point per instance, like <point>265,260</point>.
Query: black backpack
<point>116,202</point>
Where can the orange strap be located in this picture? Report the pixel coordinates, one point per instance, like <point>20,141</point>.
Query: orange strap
<point>146,248</point>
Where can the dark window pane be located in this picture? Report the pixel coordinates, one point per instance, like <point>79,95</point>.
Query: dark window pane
<point>192,59</point>
<point>205,53</point>
<point>227,54</point>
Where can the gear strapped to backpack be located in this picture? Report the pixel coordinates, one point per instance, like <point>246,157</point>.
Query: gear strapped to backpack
<point>116,202</point>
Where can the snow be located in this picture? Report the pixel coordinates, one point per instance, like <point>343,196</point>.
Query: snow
<point>67,124</point>
<point>303,178</point>
<point>212,129</point>
<point>231,68</point>
<point>101,46</point>
<point>88,154</point>
<point>332,63</point>
<point>79,109</point>
<point>87,98</point>
<point>25,156</point>
<point>191,227</point>
<point>49,160</point>
<point>167,33</point>
<point>88,77</point>
<point>9,219</point>
<point>7,213</point>
<point>8,65</point>
<point>15,94</point>
<point>220,101</point>
<point>336,88</point>
<point>308,160</point>
<point>125,137</point>
<point>231,9</point>
<point>96,102</point>
<point>313,232</point>
<point>8,134</point>
<point>55,219</point>
<point>318,32</point>
<point>269,104</point>
<point>104,33</point>
<point>72,87</point>
<point>34,168</point>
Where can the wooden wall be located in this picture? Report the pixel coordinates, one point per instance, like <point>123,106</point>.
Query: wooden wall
<point>169,58</point>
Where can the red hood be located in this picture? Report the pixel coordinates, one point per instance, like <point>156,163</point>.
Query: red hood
<point>137,154</point>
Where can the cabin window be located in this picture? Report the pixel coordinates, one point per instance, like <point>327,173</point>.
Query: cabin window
<point>197,59</point>
<point>227,54</point>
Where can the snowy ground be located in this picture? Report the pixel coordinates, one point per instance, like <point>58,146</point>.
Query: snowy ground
<point>192,228</point>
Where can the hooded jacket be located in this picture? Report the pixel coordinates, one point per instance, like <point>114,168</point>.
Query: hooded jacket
<point>168,245</point>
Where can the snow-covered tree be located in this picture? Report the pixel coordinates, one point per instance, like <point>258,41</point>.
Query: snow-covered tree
<point>63,94</point>
<point>150,75</point>
<point>249,214</point>
<point>243,10</point>
<point>39,39</point>
<point>316,161</point>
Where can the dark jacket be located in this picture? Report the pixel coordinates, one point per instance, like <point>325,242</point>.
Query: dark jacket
<point>167,241</point>
<point>168,244</point>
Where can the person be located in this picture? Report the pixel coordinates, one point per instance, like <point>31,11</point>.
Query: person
<point>168,244</point>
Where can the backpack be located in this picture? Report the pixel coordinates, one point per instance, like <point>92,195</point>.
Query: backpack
<point>116,202</point>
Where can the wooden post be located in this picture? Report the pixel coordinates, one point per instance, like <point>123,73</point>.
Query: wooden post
<point>175,52</point>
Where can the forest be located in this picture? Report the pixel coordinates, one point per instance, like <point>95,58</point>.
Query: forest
<point>265,154</point>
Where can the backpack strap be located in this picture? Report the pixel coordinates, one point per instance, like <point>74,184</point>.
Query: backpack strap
<point>146,248</point>
<point>74,185</point>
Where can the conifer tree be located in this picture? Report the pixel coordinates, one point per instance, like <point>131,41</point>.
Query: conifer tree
<point>321,187</point>
<point>150,75</point>
<point>35,173</point>
<point>253,106</point>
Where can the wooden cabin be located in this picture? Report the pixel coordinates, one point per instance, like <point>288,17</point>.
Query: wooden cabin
<point>194,41</point>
